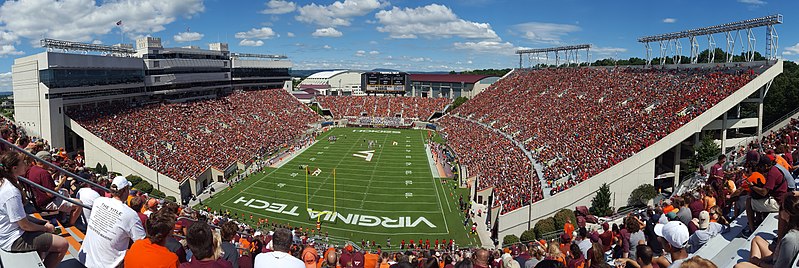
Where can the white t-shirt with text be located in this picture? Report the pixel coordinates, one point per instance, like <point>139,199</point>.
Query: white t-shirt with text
<point>11,211</point>
<point>111,227</point>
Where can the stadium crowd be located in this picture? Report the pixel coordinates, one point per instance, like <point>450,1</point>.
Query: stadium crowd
<point>181,140</point>
<point>569,116</point>
<point>499,162</point>
<point>382,106</point>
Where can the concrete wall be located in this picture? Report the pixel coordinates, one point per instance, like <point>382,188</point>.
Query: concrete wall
<point>633,171</point>
<point>98,151</point>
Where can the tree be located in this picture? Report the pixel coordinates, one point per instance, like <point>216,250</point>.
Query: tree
<point>704,151</point>
<point>171,199</point>
<point>510,239</point>
<point>157,193</point>
<point>600,205</point>
<point>641,195</point>
<point>98,168</point>
<point>544,226</point>
<point>457,102</point>
<point>781,98</point>
<point>104,170</point>
<point>527,236</point>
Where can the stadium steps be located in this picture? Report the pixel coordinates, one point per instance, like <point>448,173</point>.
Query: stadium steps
<point>72,234</point>
<point>716,244</point>
<point>739,248</point>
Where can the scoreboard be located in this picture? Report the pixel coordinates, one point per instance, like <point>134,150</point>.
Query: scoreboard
<point>385,82</point>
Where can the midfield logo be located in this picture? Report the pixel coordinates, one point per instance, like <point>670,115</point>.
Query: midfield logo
<point>365,155</point>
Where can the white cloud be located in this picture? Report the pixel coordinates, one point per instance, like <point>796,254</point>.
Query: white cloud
<point>607,50</point>
<point>468,62</point>
<point>327,47</point>
<point>327,32</point>
<point>5,82</point>
<point>188,37</point>
<point>544,32</point>
<point>97,42</point>
<point>7,42</point>
<point>290,34</point>
<point>431,21</point>
<point>251,43</point>
<point>419,59</point>
<point>792,50</point>
<point>82,20</point>
<point>360,53</point>
<point>491,47</point>
<point>338,13</point>
<point>669,20</point>
<point>752,2</point>
<point>374,52</point>
<point>262,33</point>
<point>279,7</point>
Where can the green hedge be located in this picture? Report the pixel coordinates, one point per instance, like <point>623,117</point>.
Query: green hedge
<point>510,239</point>
<point>528,236</point>
<point>641,195</point>
<point>544,226</point>
<point>144,186</point>
<point>562,216</point>
<point>133,179</point>
<point>171,199</point>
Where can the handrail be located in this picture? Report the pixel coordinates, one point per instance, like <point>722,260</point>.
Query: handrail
<point>781,119</point>
<point>66,198</point>
<point>13,146</point>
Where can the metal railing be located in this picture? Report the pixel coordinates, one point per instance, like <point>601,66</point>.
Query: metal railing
<point>57,194</point>
<point>14,147</point>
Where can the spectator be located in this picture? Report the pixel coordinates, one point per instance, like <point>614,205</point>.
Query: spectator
<point>582,241</point>
<point>228,232</point>
<point>698,262</point>
<point>200,240</point>
<point>151,252</point>
<point>331,259</point>
<point>39,174</point>
<point>596,257</point>
<point>765,198</point>
<point>481,258</point>
<point>111,228</point>
<point>281,241</point>
<point>554,253</point>
<point>17,233</point>
<point>643,258</point>
<point>87,195</point>
<point>707,230</point>
<point>577,259</point>
<point>674,238</point>
<point>787,247</point>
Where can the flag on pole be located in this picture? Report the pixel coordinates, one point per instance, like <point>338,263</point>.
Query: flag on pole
<point>119,23</point>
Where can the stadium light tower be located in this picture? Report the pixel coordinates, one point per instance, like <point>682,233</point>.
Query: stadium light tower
<point>671,41</point>
<point>121,49</point>
<point>570,52</point>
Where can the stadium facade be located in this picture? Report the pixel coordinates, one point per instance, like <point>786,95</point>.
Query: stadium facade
<point>48,84</point>
<point>334,83</point>
<point>449,86</point>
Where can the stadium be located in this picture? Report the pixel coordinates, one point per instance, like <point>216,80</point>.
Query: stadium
<point>526,165</point>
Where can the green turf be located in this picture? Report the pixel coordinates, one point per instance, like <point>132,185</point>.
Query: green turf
<point>397,182</point>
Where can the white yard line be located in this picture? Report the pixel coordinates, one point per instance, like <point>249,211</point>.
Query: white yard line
<point>377,162</point>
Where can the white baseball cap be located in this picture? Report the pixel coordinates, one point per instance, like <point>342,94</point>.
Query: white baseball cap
<point>675,233</point>
<point>120,182</point>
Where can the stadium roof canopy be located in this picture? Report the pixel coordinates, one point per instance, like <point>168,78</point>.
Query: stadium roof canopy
<point>449,78</point>
<point>326,74</point>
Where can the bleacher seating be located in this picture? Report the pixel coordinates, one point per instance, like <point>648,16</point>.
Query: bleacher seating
<point>569,117</point>
<point>382,106</point>
<point>181,140</point>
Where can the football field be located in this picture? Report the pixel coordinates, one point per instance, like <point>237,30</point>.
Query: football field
<point>370,184</point>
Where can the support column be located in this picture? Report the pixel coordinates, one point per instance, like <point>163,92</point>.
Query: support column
<point>724,133</point>
<point>760,119</point>
<point>677,152</point>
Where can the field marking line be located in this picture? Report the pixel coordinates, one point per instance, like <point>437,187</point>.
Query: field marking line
<point>438,198</point>
<point>292,201</point>
<point>445,193</point>
<point>331,172</point>
<point>327,225</point>
<point>349,199</point>
<point>251,184</point>
<point>354,192</point>
<point>377,163</point>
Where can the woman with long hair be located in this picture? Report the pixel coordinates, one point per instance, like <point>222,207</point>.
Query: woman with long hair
<point>788,238</point>
<point>17,234</point>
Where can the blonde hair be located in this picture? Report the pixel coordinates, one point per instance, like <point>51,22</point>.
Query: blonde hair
<point>698,262</point>
<point>553,249</point>
<point>217,245</point>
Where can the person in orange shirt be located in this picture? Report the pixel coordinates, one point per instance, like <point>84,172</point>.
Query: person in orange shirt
<point>370,259</point>
<point>568,228</point>
<point>667,207</point>
<point>151,252</point>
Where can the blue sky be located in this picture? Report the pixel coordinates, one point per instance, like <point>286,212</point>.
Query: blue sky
<point>366,34</point>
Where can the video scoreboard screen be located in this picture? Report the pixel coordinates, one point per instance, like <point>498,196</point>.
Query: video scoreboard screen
<point>385,82</point>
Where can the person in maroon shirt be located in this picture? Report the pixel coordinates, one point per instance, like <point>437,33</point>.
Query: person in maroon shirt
<point>606,237</point>
<point>200,239</point>
<point>481,258</point>
<point>46,201</point>
<point>765,199</point>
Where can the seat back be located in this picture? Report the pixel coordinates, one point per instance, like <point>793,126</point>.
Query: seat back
<point>20,259</point>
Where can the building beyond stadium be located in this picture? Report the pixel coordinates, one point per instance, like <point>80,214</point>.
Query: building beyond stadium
<point>48,84</point>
